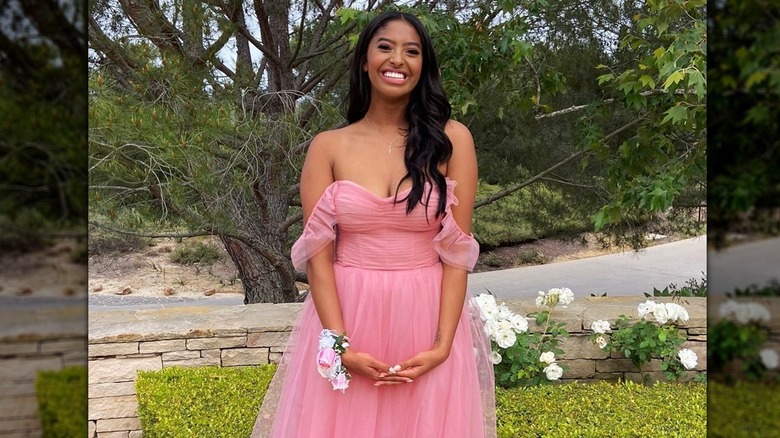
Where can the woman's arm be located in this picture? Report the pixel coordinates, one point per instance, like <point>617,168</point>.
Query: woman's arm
<point>462,168</point>
<point>317,175</point>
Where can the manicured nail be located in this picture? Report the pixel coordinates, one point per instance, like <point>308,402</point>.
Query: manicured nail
<point>409,380</point>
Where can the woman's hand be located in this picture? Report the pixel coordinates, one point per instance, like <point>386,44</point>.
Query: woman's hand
<point>367,366</point>
<point>411,369</point>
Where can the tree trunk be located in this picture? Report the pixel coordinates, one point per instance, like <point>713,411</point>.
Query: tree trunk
<point>262,282</point>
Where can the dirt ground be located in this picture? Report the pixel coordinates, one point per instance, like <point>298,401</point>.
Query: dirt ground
<point>151,272</point>
<point>48,272</point>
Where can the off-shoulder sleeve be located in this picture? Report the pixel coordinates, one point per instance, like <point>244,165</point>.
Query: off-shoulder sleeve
<point>319,230</point>
<point>455,247</point>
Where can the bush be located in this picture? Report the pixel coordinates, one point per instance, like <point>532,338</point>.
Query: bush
<point>224,402</point>
<point>62,402</point>
<point>199,252</point>
<point>603,409</point>
<point>528,214</point>
<point>102,242</point>
<point>207,401</point>
<point>745,409</point>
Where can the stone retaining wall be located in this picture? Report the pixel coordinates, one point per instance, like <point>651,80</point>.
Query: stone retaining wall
<point>122,343</point>
<point>34,339</point>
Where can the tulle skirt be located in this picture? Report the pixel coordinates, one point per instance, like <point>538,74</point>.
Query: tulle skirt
<point>393,315</point>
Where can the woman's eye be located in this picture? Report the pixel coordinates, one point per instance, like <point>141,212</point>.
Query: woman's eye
<point>413,52</point>
<point>384,47</point>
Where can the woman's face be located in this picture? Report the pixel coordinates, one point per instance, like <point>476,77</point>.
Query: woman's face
<point>394,60</point>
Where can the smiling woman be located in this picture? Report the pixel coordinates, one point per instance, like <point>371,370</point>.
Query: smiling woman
<point>384,345</point>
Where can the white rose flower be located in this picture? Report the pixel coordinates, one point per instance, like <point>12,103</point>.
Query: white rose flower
<point>541,300</point>
<point>758,313</point>
<point>660,314</point>
<point>504,324</point>
<point>727,308</point>
<point>687,358</point>
<point>488,308</point>
<point>601,341</point>
<point>495,357</point>
<point>491,328</point>
<point>547,357</point>
<point>600,326</point>
<point>553,371</point>
<point>769,358</point>
<point>671,311</point>
<point>566,296</point>
<point>506,338</point>
<point>646,308</point>
<point>326,340</point>
<point>519,323</point>
<point>682,315</point>
<point>504,312</point>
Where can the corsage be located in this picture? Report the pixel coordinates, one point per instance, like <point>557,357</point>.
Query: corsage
<point>332,346</point>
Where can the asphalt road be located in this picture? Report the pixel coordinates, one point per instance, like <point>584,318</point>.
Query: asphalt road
<point>744,264</point>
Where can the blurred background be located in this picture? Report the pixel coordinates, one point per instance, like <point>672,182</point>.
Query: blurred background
<point>43,178</point>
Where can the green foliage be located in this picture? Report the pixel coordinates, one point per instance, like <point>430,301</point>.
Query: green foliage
<point>603,409</point>
<point>62,402</point>
<point>528,214</point>
<point>743,112</point>
<point>223,402</point>
<point>662,160</point>
<point>692,288</point>
<point>731,343</point>
<point>197,252</point>
<point>204,401</point>
<point>644,340</point>
<point>743,410</point>
<point>771,289</point>
<point>520,365</point>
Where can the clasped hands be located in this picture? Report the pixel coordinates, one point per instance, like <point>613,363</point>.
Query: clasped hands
<point>385,374</point>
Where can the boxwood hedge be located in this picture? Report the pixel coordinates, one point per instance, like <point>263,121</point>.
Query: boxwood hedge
<point>62,402</point>
<point>223,402</point>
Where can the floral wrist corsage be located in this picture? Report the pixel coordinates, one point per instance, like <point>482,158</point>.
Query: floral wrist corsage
<point>332,346</point>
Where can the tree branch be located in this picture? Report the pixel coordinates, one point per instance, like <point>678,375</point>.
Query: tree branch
<point>504,193</point>
<point>575,108</point>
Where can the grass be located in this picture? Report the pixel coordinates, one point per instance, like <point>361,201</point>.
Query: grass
<point>198,252</point>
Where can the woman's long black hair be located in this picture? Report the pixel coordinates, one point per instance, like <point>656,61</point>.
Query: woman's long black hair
<point>427,113</point>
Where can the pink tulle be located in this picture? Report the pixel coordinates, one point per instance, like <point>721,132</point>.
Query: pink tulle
<point>388,271</point>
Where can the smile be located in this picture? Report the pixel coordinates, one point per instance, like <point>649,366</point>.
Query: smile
<point>393,75</point>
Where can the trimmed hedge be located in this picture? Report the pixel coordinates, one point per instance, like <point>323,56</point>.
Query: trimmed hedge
<point>62,402</point>
<point>744,409</point>
<point>223,402</point>
<point>204,401</point>
<point>672,410</point>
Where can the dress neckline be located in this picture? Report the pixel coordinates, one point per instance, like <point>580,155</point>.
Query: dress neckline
<point>385,198</point>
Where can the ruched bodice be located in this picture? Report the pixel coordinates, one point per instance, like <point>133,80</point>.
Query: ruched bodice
<point>376,233</point>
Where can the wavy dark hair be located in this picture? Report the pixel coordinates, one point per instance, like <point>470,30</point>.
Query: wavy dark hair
<point>427,113</point>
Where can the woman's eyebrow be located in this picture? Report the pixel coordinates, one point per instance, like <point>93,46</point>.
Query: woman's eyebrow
<point>411,43</point>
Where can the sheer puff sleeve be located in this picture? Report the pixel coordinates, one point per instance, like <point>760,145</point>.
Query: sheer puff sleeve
<point>319,230</point>
<point>455,247</point>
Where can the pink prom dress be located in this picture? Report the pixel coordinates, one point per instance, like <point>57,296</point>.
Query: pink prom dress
<point>388,271</point>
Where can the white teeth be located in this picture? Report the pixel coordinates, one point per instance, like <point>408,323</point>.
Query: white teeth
<point>393,75</point>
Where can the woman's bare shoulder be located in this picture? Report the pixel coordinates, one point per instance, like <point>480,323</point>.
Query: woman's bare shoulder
<point>330,142</point>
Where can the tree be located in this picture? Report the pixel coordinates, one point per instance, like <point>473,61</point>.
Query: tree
<point>200,112</point>
<point>42,120</point>
<point>215,145</point>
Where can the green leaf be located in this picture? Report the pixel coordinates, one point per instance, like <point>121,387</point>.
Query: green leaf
<point>673,79</point>
<point>647,81</point>
<point>678,115</point>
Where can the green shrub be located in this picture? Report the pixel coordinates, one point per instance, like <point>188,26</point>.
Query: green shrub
<point>198,252</point>
<point>224,402</point>
<point>603,410</point>
<point>530,213</point>
<point>62,402</point>
<point>207,401</point>
<point>745,409</point>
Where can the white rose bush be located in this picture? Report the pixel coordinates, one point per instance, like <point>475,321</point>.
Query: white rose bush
<point>521,357</point>
<point>655,334</point>
<point>737,341</point>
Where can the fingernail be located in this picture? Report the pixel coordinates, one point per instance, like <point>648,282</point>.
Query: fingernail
<point>409,380</point>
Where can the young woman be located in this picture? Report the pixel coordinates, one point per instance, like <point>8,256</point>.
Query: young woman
<point>386,344</point>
